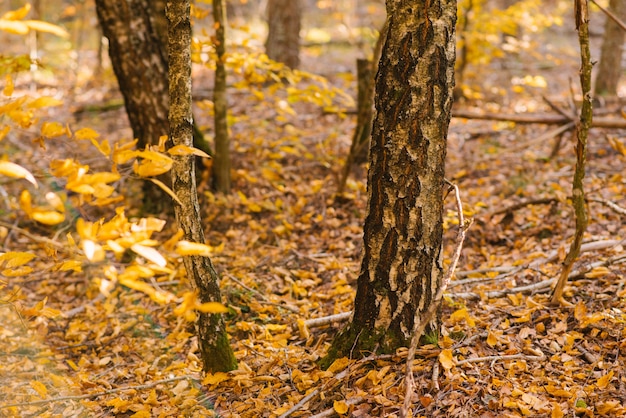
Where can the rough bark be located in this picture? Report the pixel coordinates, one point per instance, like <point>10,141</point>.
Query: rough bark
<point>582,131</point>
<point>139,65</point>
<point>221,162</point>
<point>283,38</point>
<point>401,268</point>
<point>212,338</point>
<point>610,66</point>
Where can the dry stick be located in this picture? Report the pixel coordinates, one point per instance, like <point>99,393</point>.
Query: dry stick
<point>33,236</point>
<point>611,15</point>
<point>590,246</point>
<point>530,118</point>
<point>331,411</point>
<point>609,204</point>
<point>103,393</point>
<point>500,358</point>
<point>420,321</point>
<point>538,287</point>
<point>315,392</point>
<point>582,130</point>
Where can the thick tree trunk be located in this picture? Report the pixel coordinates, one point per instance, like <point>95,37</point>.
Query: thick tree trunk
<point>283,38</point>
<point>212,338</point>
<point>139,65</point>
<point>610,67</point>
<point>401,267</point>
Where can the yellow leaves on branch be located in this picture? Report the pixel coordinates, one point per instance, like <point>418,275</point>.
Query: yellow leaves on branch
<point>10,169</point>
<point>13,22</point>
<point>190,304</point>
<point>185,248</point>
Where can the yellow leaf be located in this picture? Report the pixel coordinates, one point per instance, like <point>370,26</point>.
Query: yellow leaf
<point>8,88</point>
<point>446,359</point>
<point>17,171</point>
<point>604,381</point>
<point>44,101</point>
<point>18,271</point>
<point>167,190</point>
<point>211,307</point>
<point>4,131</point>
<point>93,251</point>
<point>74,265</point>
<point>556,411</point>
<point>40,26</point>
<point>215,378</point>
<point>39,387</point>
<point>340,407</point>
<point>461,315</point>
<point>16,258</point>
<point>598,272</point>
<point>18,14</point>
<point>185,150</point>
<point>603,408</point>
<point>11,26</point>
<point>48,217</point>
<point>149,168</point>
<point>193,248</point>
<point>338,365</point>
<point>492,339</point>
<point>149,254</point>
<point>86,133</point>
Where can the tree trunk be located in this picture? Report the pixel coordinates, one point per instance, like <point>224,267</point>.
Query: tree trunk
<point>212,338</point>
<point>139,65</point>
<point>283,38</point>
<point>221,162</point>
<point>610,67</point>
<point>401,268</point>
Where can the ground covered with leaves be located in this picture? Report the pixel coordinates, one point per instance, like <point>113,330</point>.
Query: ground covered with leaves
<point>288,251</point>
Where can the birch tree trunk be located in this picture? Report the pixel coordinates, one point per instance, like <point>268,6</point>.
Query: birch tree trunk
<point>610,66</point>
<point>401,268</point>
<point>212,338</point>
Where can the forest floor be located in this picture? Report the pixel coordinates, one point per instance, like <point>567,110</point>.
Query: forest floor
<point>288,250</point>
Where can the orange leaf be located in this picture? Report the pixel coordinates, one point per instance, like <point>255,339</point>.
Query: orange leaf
<point>446,359</point>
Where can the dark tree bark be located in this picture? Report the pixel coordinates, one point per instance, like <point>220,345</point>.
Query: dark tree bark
<point>212,338</point>
<point>401,268</point>
<point>610,66</point>
<point>283,38</point>
<point>139,65</point>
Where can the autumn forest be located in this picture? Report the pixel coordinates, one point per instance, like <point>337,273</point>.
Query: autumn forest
<point>311,208</point>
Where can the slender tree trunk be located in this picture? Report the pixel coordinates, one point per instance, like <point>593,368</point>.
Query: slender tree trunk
<point>283,38</point>
<point>610,67</point>
<point>212,338</point>
<point>401,268</point>
<point>221,162</point>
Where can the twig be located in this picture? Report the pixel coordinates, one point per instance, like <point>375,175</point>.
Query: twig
<point>331,411</point>
<point>420,321</point>
<point>590,246</point>
<point>318,322</point>
<point>539,286</point>
<point>315,392</point>
<point>609,204</point>
<point>611,15</point>
<point>33,236</point>
<point>103,393</point>
<point>500,358</point>
<point>582,130</point>
<point>519,205</point>
<point>73,312</point>
<point>263,298</point>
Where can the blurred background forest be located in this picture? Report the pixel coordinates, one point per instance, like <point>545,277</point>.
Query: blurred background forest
<point>104,329</point>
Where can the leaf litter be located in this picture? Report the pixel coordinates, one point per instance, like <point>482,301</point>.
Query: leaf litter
<point>288,250</point>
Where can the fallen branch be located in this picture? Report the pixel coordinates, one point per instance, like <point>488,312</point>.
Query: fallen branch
<point>325,320</point>
<point>331,411</point>
<point>617,208</point>
<point>552,256</point>
<point>500,358</point>
<point>103,393</point>
<point>530,118</point>
<point>421,321</point>
<point>538,287</point>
